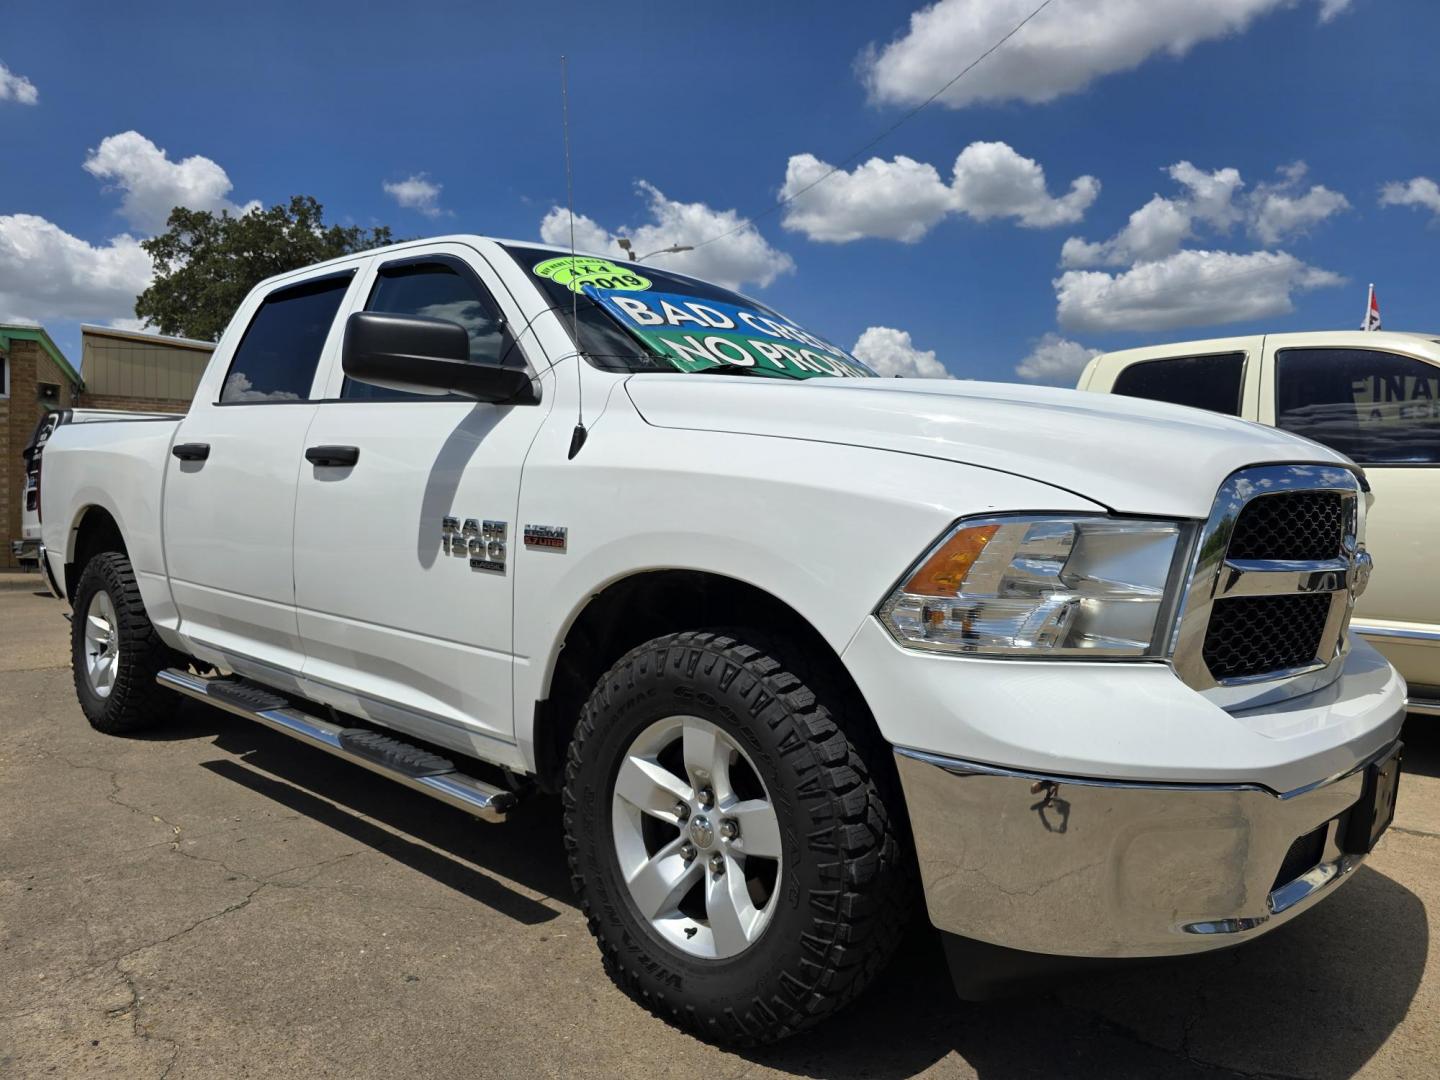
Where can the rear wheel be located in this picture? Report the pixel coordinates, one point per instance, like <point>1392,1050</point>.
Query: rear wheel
<point>732,851</point>
<point>115,652</point>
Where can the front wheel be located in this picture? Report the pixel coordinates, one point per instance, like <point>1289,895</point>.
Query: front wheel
<point>732,852</point>
<point>115,653</point>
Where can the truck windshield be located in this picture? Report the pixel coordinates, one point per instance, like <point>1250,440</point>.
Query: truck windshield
<point>639,318</point>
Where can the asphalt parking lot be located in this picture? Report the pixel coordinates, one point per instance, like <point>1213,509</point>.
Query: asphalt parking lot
<point>217,901</point>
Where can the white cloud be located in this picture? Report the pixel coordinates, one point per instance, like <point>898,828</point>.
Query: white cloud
<point>1187,288</point>
<point>129,322</point>
<point>903,199</point>
<point>1211,194</point>
<point>893,200</point>
<point>17,88</point>
<point>1167,286</point>
<point>46,273</point>
<point>1062,50</point>
<point>154,185</point>
<point>590,235</point>
<point>890,352</point>
<point>992,180</point>
<point>417,192</point>
<point>741,256</point>
<point>1279,211</point>
<point>1158,228</point>
<point>1419,191</point>
<point>1154,231</point>
<point>1055,359</point>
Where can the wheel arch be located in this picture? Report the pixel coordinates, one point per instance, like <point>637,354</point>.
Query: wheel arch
<point>646,604</point>
<point>95,530</point>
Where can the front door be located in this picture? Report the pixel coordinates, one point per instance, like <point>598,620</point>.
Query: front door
<point>403,559</point>
<point>1382,409</point>
<point>229,498</point>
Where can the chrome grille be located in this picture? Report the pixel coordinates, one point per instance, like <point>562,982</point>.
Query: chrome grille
<point>1272,583</point>
<point>1252,635</point>
<point>1296,525</point>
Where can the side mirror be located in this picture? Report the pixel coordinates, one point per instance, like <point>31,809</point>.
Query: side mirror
<point>426,356</point>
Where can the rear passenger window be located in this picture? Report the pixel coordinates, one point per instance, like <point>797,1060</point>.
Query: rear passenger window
<point>1202,382</point>
<point>439,290</point>
<point>1375,407</point>
<point>277,357</point>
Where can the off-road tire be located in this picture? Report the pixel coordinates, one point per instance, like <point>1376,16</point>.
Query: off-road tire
<point>136,702</point>
<point>846,891</point>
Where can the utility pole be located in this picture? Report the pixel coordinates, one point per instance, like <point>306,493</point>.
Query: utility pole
<point>629,250</point>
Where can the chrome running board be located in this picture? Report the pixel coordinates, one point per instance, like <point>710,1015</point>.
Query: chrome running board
<point>1422,707</point>
<point>419,769</point>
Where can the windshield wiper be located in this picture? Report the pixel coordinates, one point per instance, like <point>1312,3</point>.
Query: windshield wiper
<point>736,369</point>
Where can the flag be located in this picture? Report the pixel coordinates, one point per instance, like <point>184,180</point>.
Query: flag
<point>1372,312</point>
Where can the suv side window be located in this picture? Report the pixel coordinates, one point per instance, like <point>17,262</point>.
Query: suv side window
<point>442,288</point>
<point>1209,382</point>
<point>277,357</point>
<point>1375,407</point>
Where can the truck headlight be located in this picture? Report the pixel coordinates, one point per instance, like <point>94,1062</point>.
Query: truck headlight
<point>1040,586</point>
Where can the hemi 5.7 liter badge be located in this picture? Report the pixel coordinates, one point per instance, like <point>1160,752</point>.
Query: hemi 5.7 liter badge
<point>549,537</point>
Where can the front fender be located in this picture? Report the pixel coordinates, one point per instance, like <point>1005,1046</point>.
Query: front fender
<point>825,528</point>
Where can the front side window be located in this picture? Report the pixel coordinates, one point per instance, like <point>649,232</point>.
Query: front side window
<point>637,318</point>
<point>1203,382</point>
<point>439,290</point>
<point>1375,407</point>
<point>277,357</point>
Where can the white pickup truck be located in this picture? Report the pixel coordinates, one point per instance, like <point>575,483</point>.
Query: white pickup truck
<point>489,519</point>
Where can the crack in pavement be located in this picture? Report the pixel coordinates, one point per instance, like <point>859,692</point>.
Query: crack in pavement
<point>1183,1051</point>
<point>141,1033</point>
<point>135,1004</point>
<point>1414,832</point>
<point>113,775</point>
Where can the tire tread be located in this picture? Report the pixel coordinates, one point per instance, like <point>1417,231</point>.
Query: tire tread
<point>136,701</point>
<point>858,920</point>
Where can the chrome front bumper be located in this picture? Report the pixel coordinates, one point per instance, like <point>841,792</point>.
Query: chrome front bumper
<point>1092,868</point>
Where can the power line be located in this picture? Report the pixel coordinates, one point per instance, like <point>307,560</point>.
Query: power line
<point>885,134</point>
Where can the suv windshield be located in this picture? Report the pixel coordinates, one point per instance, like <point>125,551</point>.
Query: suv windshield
<point>634,318</point>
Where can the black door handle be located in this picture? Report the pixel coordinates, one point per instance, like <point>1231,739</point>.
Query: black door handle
<point>333,455</point>
<point>191,451</point>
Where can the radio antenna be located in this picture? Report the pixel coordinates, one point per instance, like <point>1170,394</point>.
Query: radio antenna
<point>577,437</point>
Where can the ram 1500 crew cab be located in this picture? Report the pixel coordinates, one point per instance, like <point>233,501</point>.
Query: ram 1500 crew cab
<point>487,519</point>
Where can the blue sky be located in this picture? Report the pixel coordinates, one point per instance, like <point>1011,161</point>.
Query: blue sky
<point>709,106</point>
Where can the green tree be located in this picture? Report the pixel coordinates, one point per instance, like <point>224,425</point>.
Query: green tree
<point>205,263</point>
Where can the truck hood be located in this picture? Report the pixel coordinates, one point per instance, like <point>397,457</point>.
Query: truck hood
<point>1130,455</point>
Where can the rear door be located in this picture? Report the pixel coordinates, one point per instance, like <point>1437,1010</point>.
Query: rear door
<point>404,559</point>
<point>229,501</point>
<point>1381,407</point>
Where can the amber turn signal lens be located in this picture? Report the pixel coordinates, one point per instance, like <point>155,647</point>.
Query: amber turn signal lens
<point>943,573</point>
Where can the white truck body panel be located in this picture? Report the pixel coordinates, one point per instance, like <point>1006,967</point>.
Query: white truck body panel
<point>1032,431</point>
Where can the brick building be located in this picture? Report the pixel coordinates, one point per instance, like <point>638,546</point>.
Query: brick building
<point>121,369</point>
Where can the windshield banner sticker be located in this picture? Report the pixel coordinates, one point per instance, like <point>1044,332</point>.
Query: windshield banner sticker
<point>696,335</point>
<point>578,272</point>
